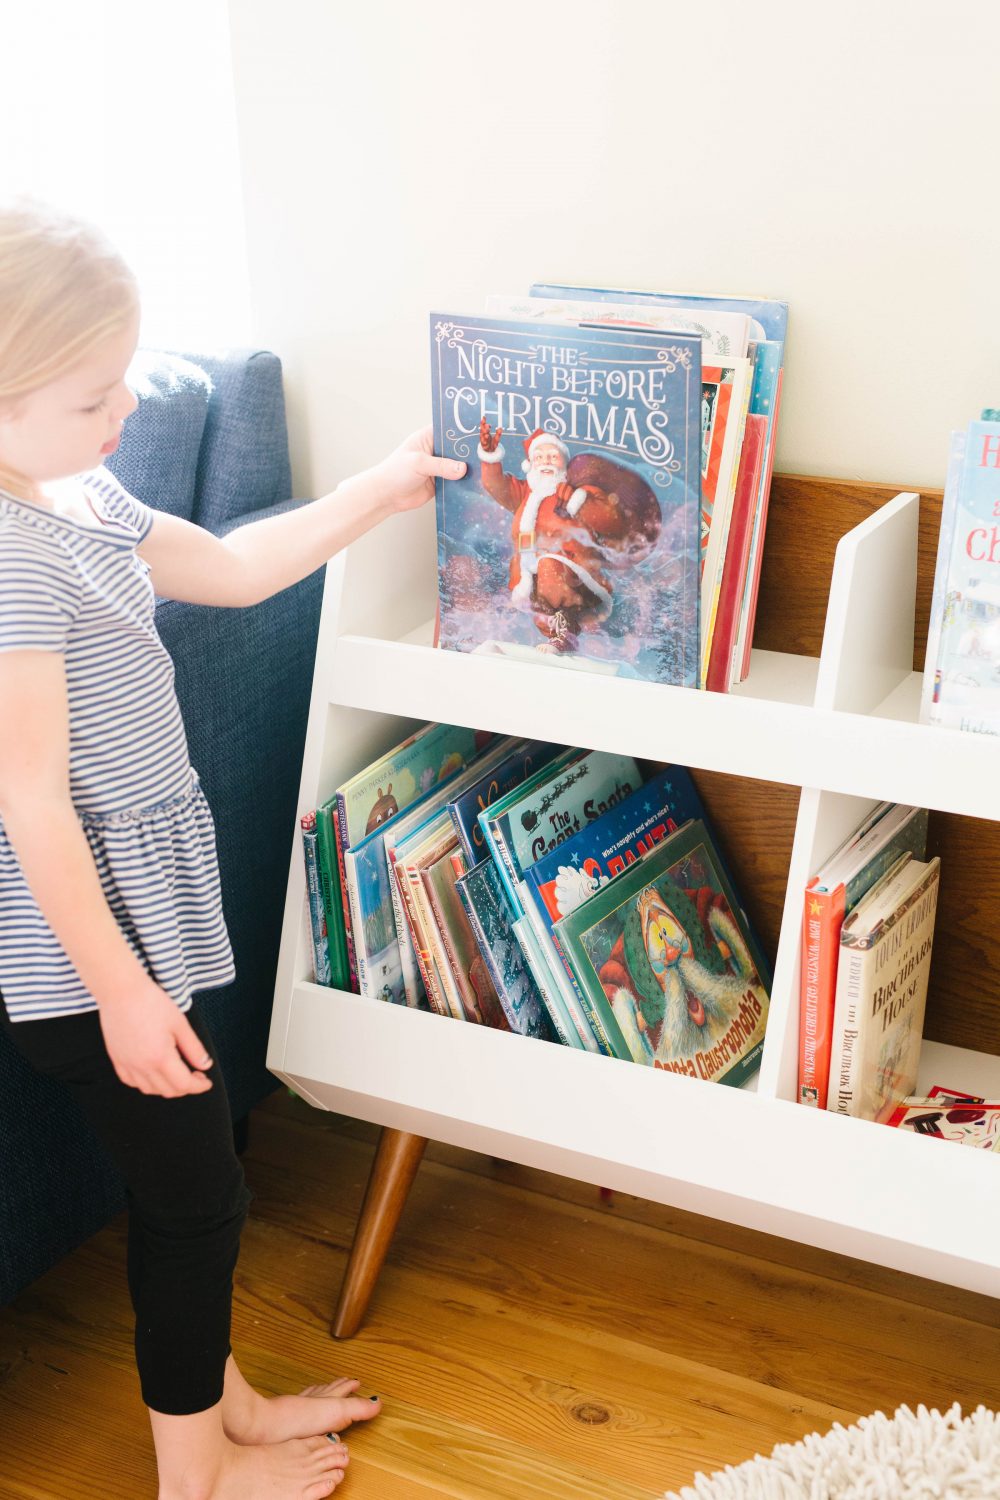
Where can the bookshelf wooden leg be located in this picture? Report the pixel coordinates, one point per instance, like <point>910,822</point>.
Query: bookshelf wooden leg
<point>393,1170</point>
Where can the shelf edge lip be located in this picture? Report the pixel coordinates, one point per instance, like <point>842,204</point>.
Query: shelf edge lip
<point>832,749</point>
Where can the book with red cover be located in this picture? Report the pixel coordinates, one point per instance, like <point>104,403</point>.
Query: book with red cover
<point>734,571</point>
<point>757,541</point>
<point>890,830</point>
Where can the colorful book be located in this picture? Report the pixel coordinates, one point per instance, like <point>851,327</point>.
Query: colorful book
<point>403,774</point>
<point>667,965</point>
<point>725,395</point>
<point>328,871</point>
<point>722,650</point>
<point>314,897</point>
<point>768,329</point>
<point>460,950</point>
<point>405,827</point>
<point>548,809</point>
<point>890,830</point>
<point>481,893</point>
<point>524,758</point>
<point>885,958</point>
<point>963,691</point>
<point>575,532</point>
<point>966,1122</point>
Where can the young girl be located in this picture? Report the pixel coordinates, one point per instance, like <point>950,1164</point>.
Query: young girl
<point>110,913</point>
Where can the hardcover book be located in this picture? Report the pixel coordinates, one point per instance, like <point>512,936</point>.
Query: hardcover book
<point>423,760</point>
<point>768,329</point>
<point>317,913</point>
<point>666,962</point>
<point>966,1122</point>
<point>885,957</point>
<point>963,678</point>
<point>523,759</point>
<point>890,830</point>
<point>547,810</point>
<point>482,896</point>
<point>575,532</point>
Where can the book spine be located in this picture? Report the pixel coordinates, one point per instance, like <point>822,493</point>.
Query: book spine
<point>557,977</point>
<point>489,959</point>
<point>506,867</point>
<point>822,919</point>
<point>757,541</point>
<point>317,916</point>
<point>596,1024</point>
<point>412,979</point>
<point>734,571</point>
<point>339,818</point>
<point>543,979</point>
<point>354,904</point>
<point>845,1070</point>
<point>460,992</point>
<point>409,883</point>
<point>329,885</point>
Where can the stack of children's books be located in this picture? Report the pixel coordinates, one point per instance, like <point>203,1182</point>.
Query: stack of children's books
<point>867,941</point>
<point>619,447</point>
<point>570,895</point>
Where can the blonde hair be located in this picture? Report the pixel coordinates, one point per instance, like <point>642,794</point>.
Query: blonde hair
<point>63,289</point>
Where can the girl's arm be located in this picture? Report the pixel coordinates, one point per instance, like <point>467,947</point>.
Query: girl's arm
<point>147,1037</point>
<point>263,557</point>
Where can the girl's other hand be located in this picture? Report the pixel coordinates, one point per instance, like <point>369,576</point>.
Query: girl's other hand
<point>152,1045</point>
<point>405,480</point>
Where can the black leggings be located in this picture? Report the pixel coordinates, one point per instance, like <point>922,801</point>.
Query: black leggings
<point>187,1203</point>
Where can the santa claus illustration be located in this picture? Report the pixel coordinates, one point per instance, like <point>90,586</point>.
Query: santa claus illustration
<point>677,974</point>
<point>574,523</point>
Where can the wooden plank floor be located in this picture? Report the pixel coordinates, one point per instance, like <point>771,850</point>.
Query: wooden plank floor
<point>529,1338</point>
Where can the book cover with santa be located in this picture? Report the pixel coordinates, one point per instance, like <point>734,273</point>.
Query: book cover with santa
<point>575,533</point>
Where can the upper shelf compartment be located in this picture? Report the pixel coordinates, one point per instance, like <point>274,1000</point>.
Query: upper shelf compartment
<point>837,711</point>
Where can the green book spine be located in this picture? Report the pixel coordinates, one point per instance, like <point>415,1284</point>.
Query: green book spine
<point>329,880</point>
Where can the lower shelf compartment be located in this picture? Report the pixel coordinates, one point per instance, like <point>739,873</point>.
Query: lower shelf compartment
<point>843,1185</point>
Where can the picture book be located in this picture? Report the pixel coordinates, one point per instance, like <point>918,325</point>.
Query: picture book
<point>565,1028</point>
<point>667,965</point>
<point>568,875</point>
<point>401,832</point>
<point>409,770</point>
<point>317,915</point>
<point>890,830</point>
<point>545,811</point>
<point>482,896</point>
<point>575,532</point>
<point>885,958</point>
<point>967,1122</point>
<point>768,330</point>
<point>724,335</point>
<point>521,760</point>
<point>461,954</point>
<point>963,691</point>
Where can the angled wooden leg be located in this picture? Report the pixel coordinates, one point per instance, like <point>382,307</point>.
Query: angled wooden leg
<point>393,1170</point>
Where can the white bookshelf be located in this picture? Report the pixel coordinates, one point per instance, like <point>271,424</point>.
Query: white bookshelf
<point>842,727</point>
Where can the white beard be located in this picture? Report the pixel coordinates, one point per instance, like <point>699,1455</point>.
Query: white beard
<point>543,485</point>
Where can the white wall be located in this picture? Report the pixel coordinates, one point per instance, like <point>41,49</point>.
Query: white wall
<point>404,157</point>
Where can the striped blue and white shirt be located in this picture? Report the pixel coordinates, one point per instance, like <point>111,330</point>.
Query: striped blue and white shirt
<point>82,590</point>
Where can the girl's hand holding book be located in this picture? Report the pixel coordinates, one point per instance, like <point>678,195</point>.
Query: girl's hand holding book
<point>405,480</point>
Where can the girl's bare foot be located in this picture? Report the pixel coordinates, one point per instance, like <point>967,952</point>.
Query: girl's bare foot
<point>303,1469</point>
<point>251,1418</point>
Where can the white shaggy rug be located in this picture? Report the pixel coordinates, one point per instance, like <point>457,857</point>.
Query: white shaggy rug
<point>922,1456</point>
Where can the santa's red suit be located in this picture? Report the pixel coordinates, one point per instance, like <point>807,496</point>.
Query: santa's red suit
<point>561,542</point>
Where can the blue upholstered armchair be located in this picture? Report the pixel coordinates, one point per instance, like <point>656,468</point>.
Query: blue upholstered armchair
<point>208,442</point>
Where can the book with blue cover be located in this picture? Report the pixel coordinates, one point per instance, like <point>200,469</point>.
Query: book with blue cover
<point>768,331</point>
<point>524,759</point>
<point>481,893</point>
<point>547,810</point>
<point>575,533</point>
<point>962,672</point>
